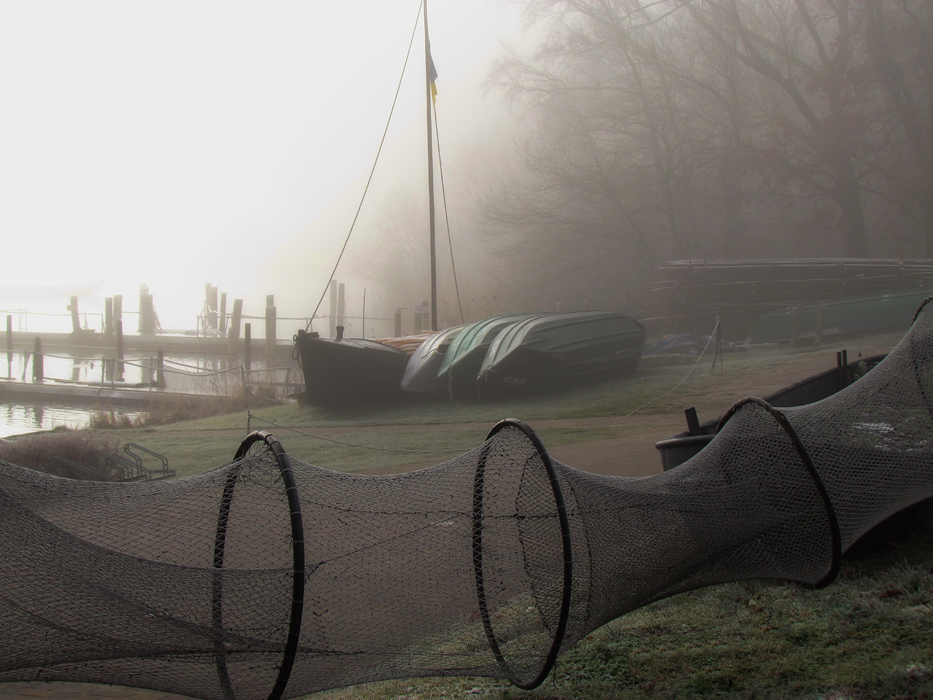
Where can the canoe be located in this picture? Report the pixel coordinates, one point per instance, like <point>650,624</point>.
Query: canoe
<point>421,372</point>
<point>465,355</point>
<point>560,351</point>
<point>349,371</point>
<point>678,449</point>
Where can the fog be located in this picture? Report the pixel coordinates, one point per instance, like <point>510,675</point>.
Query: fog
<point>177,143</point>
<point>232,143</point>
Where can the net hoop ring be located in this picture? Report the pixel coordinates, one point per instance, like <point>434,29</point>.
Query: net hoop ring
<point>290,649</point>
<point>564,522</point>
<point>835,535</point>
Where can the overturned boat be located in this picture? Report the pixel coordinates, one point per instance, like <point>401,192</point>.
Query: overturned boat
<point>559,351</point>
<point>423,365</point>
<point>461,364</point>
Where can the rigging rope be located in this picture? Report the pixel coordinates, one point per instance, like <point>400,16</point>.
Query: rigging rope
<point>450,245</point>
<point>371,172</point>
<point>251,416</point>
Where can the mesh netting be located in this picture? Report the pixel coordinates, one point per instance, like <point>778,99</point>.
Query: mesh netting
<point>269,577</point>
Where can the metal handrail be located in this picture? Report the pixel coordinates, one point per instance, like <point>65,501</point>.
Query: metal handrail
<point>162,473</point>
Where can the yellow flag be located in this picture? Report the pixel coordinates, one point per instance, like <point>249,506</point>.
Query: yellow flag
<point>432,77</point>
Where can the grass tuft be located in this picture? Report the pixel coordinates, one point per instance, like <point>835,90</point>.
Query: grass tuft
<point>37,450</point>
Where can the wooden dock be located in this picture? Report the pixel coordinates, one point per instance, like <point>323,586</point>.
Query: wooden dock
<point>175,345</point>
<point>59,391</point>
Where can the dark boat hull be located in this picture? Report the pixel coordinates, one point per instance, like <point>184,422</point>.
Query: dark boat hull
<point>560,351</point>
<point>528,371</point>
<point>350,372</point>
<point>461,375</point>
<point>678,449</point>
<point>466,353</point>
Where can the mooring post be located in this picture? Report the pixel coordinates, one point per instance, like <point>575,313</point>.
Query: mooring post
<point>119,368</point>
<point>210,297</point>
<point>117,310</point>
<point>9,346</point>
<point>398,323</point>
<point>38,365</point>
<point>270,329</point>
<point>235,324</point>
<point>141,317</point>
<point>223,314</point>
<point>247,351</point>
<point>160,370</point>
<point>108,317</point>
<point>341,305</point>
<point>75,321</point>
<point>147,322</point>
<point>333,308</point>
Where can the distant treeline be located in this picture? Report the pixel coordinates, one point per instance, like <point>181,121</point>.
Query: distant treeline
<point>715,129</point>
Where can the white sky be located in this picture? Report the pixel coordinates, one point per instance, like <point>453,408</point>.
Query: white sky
<point>180,142</point>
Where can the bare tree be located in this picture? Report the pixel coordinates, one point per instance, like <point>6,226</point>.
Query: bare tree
<point>899,39</point>
<point>806,49</point>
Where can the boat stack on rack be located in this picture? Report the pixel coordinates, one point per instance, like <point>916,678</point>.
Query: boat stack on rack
<point>691,294</point>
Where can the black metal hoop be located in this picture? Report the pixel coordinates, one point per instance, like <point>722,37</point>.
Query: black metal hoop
<point>835,535</point>
<point>920,308</point>
<point>561,627</point>
<point>298,562</point>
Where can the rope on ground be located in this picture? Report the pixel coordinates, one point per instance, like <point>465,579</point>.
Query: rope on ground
<point>251,416</point>
<point>676,386</point>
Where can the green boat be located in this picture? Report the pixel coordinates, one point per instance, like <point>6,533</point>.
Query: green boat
<point>873,314</point>
<point>559,351</point>
<point>421,372</point>
<point>466,352</point>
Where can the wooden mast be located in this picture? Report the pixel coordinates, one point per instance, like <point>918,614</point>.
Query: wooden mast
<point>428,73</point>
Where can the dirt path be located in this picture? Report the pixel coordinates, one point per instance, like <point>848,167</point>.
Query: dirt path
<point>635,454</point>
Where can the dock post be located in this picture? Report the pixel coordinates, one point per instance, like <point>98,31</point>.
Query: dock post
<point>75,321</point>
<point>341,305</point>
<point>119,368</point>
<point>117,310</point>
<point>333,308</point>
<point>9,346</point>
<point>38,365</point>
<point>247,353</point>
<point>223,314</point>
<point>210,294</point>
<point>234,333</point>
<point>160,370</point>
<point>108,317</point>
<point>141,316</point>
<point>398,323</point>
<point>270,329</point>
<point>147,321</point>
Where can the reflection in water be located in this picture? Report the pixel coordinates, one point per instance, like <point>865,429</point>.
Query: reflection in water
<point>38,414</point>
<point>16,419</point>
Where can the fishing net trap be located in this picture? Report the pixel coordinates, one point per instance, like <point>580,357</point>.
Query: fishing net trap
<point>269,577</point>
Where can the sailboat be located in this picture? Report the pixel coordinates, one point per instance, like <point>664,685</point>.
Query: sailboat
<point>353,371</point>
